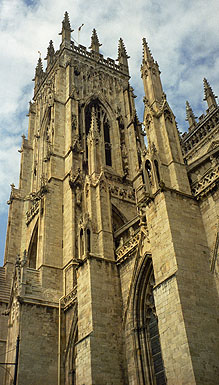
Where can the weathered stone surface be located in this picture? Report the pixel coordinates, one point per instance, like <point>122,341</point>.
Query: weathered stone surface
<point>112,247</point>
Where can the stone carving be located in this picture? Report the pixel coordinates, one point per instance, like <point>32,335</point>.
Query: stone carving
<point>128,247</point>
<point>206,183</point>
<point>73,122</point>
<point>70,297</point>
<point>122,193</point>
<point>78,195</point>
<point>76,179</point>
<point>30,214</point>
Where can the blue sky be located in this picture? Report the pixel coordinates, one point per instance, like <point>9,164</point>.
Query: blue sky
<point>183,37</point>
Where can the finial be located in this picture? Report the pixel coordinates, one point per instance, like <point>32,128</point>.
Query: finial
<point>190,117</point>
<point>50,49</point>
<point>147,56</point>
<point>66,30</point>
<point>50,53</point>
<point>209,94</point>
<point>94,126</point>
<point>39,68</point>
<point>95,44</point>
<point>122,54</point>
<point>66,23</point>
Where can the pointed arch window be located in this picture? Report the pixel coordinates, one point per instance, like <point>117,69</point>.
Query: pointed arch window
<point>32,252</point>
<point>150,367</point>
<point>103,124</point>
<point>148,169</point>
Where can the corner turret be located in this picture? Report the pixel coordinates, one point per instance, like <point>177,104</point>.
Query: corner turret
<point>163,138</point>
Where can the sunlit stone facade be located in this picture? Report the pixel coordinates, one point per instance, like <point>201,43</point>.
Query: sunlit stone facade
<point>110,274</point>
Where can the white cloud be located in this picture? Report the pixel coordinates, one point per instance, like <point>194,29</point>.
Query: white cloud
<point>182,35</point>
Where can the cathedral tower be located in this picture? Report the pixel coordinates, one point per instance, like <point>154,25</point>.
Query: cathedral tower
<point>111,249</point>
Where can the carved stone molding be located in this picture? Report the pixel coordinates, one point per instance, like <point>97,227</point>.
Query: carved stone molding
<point>206,183</point>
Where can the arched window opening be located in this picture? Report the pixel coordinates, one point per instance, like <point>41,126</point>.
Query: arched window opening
<point>49,114</point>
<point>107,143</point>
<point>157,170</point>
<point>148,169</point>
<point>103,126</point>
<point>139,159</point>
<point>88,241</point>
<point>149,360</point>
<point>70,355</point>
<point>81,243</point>
<point>32,253</point>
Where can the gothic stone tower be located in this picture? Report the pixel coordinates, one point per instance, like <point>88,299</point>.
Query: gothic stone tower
<point>108,242</point>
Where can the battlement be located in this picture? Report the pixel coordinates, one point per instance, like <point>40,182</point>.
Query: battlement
<point>99,58</point>
<point>93,55</point>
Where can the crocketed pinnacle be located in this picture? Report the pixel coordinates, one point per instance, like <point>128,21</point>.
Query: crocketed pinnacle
<point>66,23</point>
<point>147,56</point>
<point>122,50</point>
<point>66,30</point>
<point>190,117</point>
<point>94,126</point>
<point>50,49</point>
<point>95,44</point>
<point>39,68</point>
<point>209,94</point>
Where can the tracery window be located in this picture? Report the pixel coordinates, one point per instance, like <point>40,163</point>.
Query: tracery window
<point>103,124</point>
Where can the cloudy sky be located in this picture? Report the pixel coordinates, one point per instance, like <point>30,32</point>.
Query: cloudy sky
<point>182,35</point>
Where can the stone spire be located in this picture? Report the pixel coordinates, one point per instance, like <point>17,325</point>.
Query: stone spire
<point>209,95</point>
<point>147,56</point>
<point>151,76</point>
<point>190,117</point>
<point>122,54</point>
<point>95,44</point>
<point>50,53</point>
<point>66,31</point>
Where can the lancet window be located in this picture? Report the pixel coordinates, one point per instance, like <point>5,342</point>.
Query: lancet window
<point>32,252</point>
<point>150,368</point>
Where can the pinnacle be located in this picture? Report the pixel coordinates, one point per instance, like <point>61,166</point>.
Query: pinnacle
<point>51,49</point>
<point>146,52</point>
<point>94,37</point>
<point>94,125</point>
<point>95,44</point>
<point>208,89</point>
<point>39,67</point>
<point>122,50</point>
<point>66,23</point>
<point>190,117</point>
